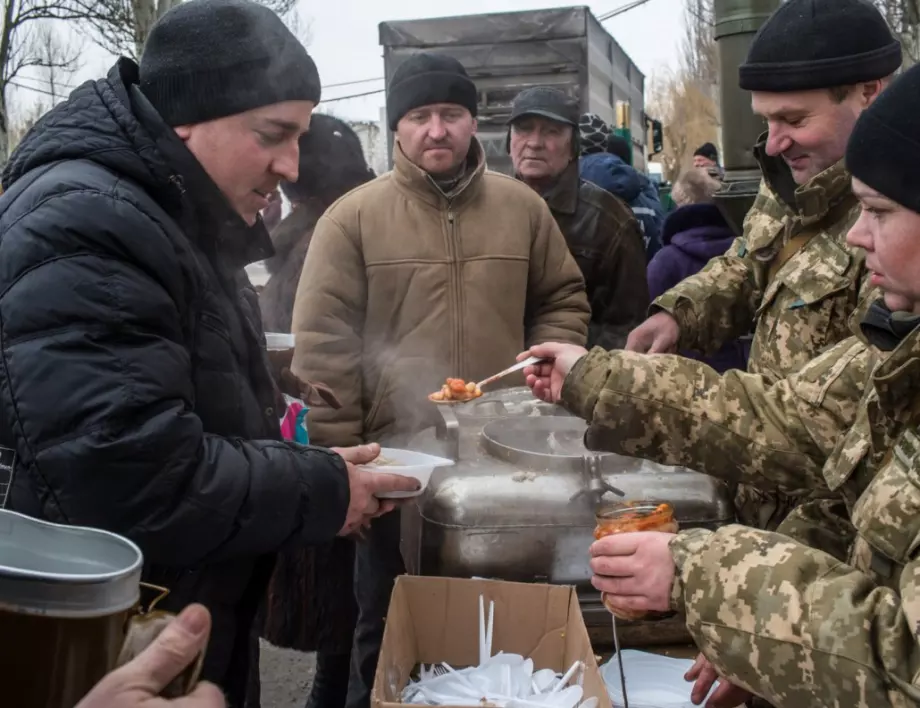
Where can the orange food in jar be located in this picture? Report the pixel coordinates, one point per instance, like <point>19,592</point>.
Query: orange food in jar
<point>627,517</point>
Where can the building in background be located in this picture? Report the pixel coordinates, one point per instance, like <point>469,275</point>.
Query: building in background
<point>373,142</point>
<point>566,48</point>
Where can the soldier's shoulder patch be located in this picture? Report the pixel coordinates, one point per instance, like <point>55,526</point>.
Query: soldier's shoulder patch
<point>907,446</point>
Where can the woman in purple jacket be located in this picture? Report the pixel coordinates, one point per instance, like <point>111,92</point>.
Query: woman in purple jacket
<point>692,234</point>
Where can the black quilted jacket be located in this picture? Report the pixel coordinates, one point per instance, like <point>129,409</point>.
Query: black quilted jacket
<point>133,383</point>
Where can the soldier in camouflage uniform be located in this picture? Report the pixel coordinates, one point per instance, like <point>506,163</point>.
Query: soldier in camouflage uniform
<point>786,621</point>
<point>813,67</point>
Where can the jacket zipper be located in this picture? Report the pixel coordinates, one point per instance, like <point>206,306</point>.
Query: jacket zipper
<point>458,291</point>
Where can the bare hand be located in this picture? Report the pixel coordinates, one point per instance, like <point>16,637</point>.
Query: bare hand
<point>659,334</point>
<point>364,486</point>
<point>546,379</point>
<point>727,695</point>
<point>635,570</point>
<point>138,683</point>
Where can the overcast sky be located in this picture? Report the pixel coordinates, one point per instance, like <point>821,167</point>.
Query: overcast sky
<point>348,50</point>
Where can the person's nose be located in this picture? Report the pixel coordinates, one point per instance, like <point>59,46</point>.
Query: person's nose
<point>437,129</point>
<point>287,164</point>
<point>778,141</point>
<point>860,235</point>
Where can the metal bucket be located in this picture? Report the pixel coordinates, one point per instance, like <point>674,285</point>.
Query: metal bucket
<point>69,599</point>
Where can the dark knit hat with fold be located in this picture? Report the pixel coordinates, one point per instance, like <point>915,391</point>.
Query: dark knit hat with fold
<point>426,78</point>
<point>884,147</point>
<point>818,44</point>
<point>207,59</point>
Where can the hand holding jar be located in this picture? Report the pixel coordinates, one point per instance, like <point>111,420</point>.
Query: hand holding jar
<point>631,559</point>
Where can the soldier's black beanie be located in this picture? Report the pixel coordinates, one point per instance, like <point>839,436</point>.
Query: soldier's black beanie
<point>427,78</point>
<point>884,147</point>
<point>206,59</point>
<point>818,44</point>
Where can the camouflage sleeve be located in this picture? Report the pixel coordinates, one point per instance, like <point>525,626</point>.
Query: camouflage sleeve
<point>794,625</point>
<point>736,427</point>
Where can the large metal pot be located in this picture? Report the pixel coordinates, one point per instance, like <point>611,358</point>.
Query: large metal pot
<point>520,502</point>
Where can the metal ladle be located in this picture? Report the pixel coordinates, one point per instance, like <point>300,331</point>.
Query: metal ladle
<point>529,361</point>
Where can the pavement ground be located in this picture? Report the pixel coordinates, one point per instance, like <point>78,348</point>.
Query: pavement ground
<point>286,675</point>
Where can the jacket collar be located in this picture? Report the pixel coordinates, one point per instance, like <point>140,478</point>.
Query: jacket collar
<point>897,378</point>
<point>562,197</point>
<point>813,201</point>
<point>415,180</point>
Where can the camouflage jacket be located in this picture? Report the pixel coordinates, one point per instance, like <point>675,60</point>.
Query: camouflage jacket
<point>789,622</point>
<point>804,308</point>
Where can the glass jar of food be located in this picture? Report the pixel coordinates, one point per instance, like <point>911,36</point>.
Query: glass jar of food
<point>626,517</point>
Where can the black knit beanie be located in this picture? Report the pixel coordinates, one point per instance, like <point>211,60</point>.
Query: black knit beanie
<point>884,147</point>
<point>593,132</point>
<point>206,59</point>
<point>818,44</point>
<point>424,79</point>
<point>620,148</point>
<point>707,150</point>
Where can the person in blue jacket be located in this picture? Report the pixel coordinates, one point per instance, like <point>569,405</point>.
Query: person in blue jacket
<point>606,160</point>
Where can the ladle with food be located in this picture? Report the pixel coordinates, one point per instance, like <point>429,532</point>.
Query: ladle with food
<point>459,391</point>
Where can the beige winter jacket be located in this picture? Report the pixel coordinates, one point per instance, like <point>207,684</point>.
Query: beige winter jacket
<point>404,286</point>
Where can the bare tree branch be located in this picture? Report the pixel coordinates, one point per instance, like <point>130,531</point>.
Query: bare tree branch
<point>22,46</point>
<point>904,18</point>
<point>121,27</point>
<point>686,100</point>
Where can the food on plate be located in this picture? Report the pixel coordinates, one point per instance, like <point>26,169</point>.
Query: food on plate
<point>382,461</point>
<point>456,391</point>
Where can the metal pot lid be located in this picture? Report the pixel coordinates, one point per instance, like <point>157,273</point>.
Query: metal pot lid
<point>539,441</point>
<point>65,571</point>
<point>518,401</point>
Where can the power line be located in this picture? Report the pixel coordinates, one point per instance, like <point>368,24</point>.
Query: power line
<point>17,83</point>
<point>620,10</point>
<point>62,84</point>
<point>352,83</point>
<point>36,90</point>
<point>354,95</point>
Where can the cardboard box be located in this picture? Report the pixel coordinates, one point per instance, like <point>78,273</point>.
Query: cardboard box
<point>431,620</point>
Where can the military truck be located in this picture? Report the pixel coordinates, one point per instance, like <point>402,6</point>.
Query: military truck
<point>508,52</point>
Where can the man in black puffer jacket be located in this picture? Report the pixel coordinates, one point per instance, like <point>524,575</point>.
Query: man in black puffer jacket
<point>134,386</point>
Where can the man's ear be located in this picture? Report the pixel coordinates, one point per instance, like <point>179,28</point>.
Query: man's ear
<point>183,131</point>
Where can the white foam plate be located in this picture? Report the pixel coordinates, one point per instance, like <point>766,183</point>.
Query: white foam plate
<point>408,464</point>
<point>652,680</point>
<point>278,341</point>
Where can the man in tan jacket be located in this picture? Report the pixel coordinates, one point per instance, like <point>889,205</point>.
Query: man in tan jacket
<point>439,268</point>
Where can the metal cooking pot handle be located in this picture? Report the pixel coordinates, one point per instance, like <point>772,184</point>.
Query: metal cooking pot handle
<point>594,484</point>
<point>450,432</point>
<point>142,629</point>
